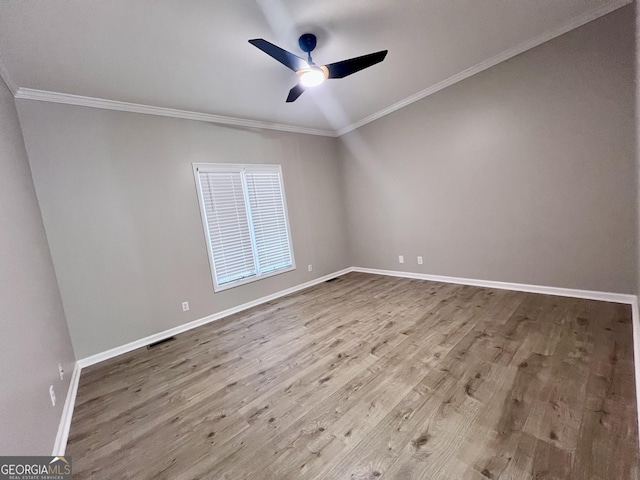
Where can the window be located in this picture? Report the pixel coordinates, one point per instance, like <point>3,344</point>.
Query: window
<point>244,214</point>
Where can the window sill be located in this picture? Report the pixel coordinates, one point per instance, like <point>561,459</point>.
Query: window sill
<point>244,281</point>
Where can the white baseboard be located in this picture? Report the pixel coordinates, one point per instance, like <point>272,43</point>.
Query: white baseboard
<point>562,292</point>
<point>518,287</point>
<point>69,404</point>
<point>156,337</point>
<point>67,413</point>
<point>635,320</point>
<point>65,423</point>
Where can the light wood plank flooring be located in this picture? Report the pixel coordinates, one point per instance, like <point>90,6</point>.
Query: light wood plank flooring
<point>372,377</point>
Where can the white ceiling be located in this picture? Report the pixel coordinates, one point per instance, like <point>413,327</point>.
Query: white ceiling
<point>194,55</point>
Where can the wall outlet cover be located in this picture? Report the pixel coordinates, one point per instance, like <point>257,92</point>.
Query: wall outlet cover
<point>52,394</point>
<point>401,258</point>
<point>185,306</point>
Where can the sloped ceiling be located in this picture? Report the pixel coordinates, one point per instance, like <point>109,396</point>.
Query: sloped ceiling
<point>194,55</point>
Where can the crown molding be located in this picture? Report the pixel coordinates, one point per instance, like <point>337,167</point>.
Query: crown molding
<point>66,98</point>
<point>490,62</point>
<point>4,74</point>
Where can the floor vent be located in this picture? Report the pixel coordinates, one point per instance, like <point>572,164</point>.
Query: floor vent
<point>170,339</point>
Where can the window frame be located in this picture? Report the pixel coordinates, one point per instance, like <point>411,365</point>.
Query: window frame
<point>242,167</point>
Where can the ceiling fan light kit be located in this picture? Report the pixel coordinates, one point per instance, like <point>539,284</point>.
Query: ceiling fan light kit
<point>311,74</point>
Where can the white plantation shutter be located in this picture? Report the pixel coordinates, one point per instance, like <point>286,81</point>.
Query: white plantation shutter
<point>244,216</point>
<point>227,225</point>
<point>269,220</point>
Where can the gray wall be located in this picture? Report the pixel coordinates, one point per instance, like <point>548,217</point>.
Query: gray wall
<point>119,204</point>
<point>34,332</point>
<point>522,173</point>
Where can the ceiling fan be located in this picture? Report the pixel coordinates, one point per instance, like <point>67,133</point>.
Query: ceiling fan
<point>310,73</point>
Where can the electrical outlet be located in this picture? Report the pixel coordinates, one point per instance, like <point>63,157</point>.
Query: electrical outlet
<point>310,267</point>
<point>419,260</point>
<point>61,371</point>
<point>401,258</point>
<point>52,394</point>
<point>185,306</point>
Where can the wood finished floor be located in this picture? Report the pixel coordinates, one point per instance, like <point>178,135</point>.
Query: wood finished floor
<point>372,377</point>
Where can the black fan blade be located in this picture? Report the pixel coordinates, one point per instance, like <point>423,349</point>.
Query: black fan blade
<point>289,60</point>
<point>353,65</point>
<point>294,93</point>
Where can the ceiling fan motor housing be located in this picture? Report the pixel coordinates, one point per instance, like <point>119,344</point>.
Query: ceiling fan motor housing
<point>307,42</point>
